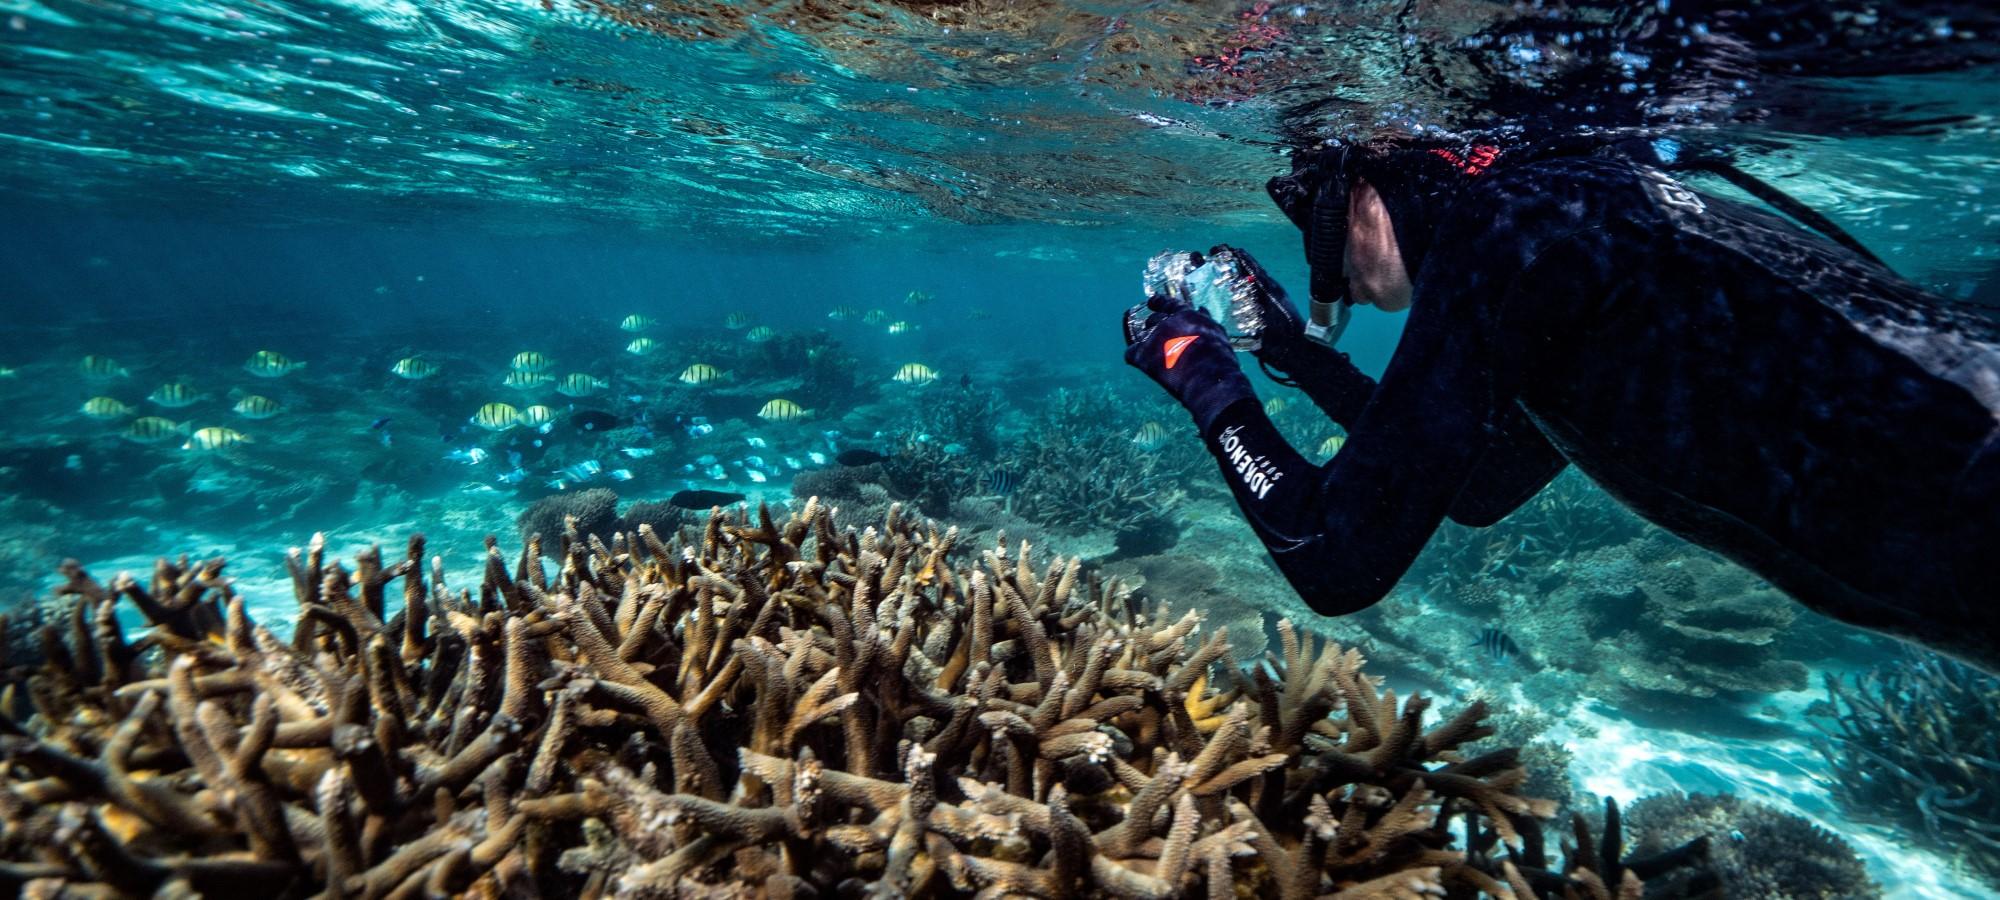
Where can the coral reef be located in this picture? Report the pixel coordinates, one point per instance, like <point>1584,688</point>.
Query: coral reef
<point>594,511</point>
<point>1756,852</point>
<point>1081,471</point>
<point>766,707</point>
<point>1916,742</point>
<point>1595,858</point>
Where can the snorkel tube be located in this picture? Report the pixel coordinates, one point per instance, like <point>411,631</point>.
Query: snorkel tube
<point>1314,198</point>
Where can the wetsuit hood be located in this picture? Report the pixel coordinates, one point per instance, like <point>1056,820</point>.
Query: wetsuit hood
<point>1415,181</point>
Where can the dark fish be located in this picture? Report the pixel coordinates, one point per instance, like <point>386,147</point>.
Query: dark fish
<point>703,499</point>
<point>965,381</point>
<point>1497,644</point>
<point>1000,482</point>
<point>593,420</point>
<point>379,424</point>
<point>859,457</point>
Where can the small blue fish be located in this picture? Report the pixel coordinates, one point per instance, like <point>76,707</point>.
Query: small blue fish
<point>620,474</point>
<point>706,459</point>
<point>818,458</point>
<point>718,473</point>
<point>1497,645</point>
<point>1000,482</point>
<point>379,424</point>
<point>514,476</point>
<point>755,462</point>
<point>954,449</point>
<point>583,471</point>
<point>757,476</point>
<point>514,458</point>
<point>637,452</point>
<point>701,430</point>
<point>756,442</point>
<point>470,456</point>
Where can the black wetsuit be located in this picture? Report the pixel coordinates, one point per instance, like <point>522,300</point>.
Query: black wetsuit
<point>1745,384</point>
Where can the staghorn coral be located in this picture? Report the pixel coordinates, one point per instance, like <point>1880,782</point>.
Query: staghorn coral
<point>1081,472</point>
<point>1916,742</point>
<point>1756,852</point>
<point>768,707</point>
<point>1596,862</point>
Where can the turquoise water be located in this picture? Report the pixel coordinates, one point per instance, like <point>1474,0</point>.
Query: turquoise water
<point>353,184</point>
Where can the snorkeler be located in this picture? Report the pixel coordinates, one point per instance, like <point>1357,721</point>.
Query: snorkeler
<point>1782,399</point>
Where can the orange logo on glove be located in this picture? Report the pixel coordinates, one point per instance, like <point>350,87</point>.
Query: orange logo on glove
<point>1176,346</point>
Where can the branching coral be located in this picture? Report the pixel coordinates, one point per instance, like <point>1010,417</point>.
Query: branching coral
<point>1758,852</point>
<point>1082,471</point>
<point>1917,742</point>
<point>772,706</point>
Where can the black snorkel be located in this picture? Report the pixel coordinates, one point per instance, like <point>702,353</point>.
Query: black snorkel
<point>1314,198</point>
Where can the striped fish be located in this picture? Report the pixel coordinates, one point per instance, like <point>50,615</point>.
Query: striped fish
<point>1496,644</point>
<point>1332,445</point>
<point>213,438</point>
<point>105,408</point>
<point>642,346</point>
<point>577,384</point>
<point>536,416</point>
<point>1276,405</point>
<point>101,367</point>
<point>842,313</point>
<point>153,430</point>
<point>760,334</point>
<point>915,373</point>
<point>174,395</point>
<point>636,322</point>
<point>1000,482</point>
<point>901,327</point>
<point>496,417</point>
<point>256,407</point>
<point>874,317</point>
<point>531,361</point>
<point>700,373</point>
<point>1150,436</point>
<point>271,364</point>
<point>411,368</point>
<point>782,410</point>
<point>917,298</point>
<point>736,321</point>
<point>523,380</point>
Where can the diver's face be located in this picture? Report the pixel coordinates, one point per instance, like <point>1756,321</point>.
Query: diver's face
<point>1374,264</point>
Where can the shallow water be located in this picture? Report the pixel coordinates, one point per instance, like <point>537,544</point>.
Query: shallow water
<point>355,183</point>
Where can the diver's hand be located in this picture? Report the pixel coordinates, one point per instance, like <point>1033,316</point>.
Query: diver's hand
<point>1187,353</point>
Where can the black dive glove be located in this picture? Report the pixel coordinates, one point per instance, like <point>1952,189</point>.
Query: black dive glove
<point>1189,354</point>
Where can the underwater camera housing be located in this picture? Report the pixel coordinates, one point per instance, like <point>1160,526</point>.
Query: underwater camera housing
<point>1224,285</point>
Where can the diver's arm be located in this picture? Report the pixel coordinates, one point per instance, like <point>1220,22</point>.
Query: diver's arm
<point>1345,532</point>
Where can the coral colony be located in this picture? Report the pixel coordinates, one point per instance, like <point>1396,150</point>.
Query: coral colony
<point>747,707</point>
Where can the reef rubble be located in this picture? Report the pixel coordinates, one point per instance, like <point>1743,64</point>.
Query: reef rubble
<point>750,707</point>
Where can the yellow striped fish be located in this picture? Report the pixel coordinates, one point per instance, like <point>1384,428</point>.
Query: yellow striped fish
<point>842,313</point>
<point>701,373</point>
<point>105,408</point>
<point>782,410</point>
<point>215,439</point>
<point>917,298</point>
<point>1332,445</point>
<point>496,417</point>
<point>271,364</point>
<point>915,373</point>
<point>257,407</point>
<point>411,368</point>
<point>521,380</point>
<point>174,395</point>
<point>636,322</point>
<point>101,367</point>
<point>536,416</point>
<point>642,346</point>
<point>874,317</point>
<point>577,384</point>
<point>153,430</point>
<point>901,327</point>
<point>1276,405</point>
<point>760,334</point>
<point>737,321</point>
<point>1150,436</point>
<point>531,361</point>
